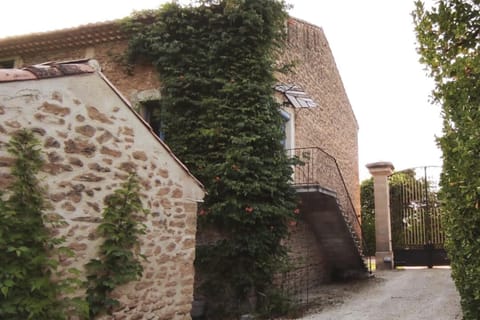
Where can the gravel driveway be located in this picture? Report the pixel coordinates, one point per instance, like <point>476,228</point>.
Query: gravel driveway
<point>401,294</point>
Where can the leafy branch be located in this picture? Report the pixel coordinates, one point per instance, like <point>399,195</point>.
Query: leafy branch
<point>118,263</point>
<point>27,249</point>
<point>448,44</point>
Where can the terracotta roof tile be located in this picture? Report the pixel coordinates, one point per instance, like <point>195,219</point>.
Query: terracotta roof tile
<point>46,70</point>
<point>83,35</point>
<point>7,75</point>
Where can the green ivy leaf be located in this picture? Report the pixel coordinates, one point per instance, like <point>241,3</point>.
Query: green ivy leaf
<point>4,291</point>
<point>117,263</point>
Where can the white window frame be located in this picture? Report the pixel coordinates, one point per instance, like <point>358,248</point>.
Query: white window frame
<point>289,116</point>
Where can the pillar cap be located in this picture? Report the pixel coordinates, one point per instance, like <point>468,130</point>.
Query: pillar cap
<point>380,168</point>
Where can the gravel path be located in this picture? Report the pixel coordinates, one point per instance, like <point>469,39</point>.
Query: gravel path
<point>401,294</point>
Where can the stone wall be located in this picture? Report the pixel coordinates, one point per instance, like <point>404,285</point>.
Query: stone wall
<point>309,266</point>
<point>331,125</point>
<point>91,141</point>
<point>109,54</point>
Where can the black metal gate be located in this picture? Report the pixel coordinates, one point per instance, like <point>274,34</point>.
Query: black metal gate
<point>416,219</point>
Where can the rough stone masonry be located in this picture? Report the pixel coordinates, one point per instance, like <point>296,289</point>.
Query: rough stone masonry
<point>91,141</point>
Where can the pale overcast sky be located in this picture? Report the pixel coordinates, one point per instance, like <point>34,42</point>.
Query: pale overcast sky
<point>373,43</point>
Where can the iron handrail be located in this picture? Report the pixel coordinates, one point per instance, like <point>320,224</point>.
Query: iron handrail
<point>312,179</point>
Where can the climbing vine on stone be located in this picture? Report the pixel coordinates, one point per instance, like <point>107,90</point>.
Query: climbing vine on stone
<point>119,261</point>
<point>27,248</point>
<point>216,62</point>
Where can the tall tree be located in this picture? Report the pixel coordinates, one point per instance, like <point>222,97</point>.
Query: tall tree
<point>449,44</point>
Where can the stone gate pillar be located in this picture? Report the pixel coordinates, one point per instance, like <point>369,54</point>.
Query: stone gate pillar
<point>380,172</point>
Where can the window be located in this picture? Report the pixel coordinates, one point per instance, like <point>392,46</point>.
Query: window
<point>288,130</point>
<point>153,113</point>
<point>7,64</point>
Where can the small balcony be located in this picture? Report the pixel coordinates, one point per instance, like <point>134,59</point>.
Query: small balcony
<point>328,209</point>
<point>318,172</point>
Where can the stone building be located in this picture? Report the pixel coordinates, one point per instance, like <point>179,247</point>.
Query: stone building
<point>320,127</point>
<point>91,140</point>
<point>322,131</point>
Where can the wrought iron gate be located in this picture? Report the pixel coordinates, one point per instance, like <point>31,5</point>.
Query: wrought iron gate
<point>416,219</point>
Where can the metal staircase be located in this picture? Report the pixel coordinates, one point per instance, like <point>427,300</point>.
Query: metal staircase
<point>329,209</point>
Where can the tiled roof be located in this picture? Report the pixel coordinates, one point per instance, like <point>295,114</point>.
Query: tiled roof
<point>78,67</point>
<point>81,36</point>
<point>46,70</point>
<point>84,35</point>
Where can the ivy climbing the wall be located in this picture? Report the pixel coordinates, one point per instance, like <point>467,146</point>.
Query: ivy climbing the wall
<point>27,248</point>
<point>216,62</point>
<point>118,263</point>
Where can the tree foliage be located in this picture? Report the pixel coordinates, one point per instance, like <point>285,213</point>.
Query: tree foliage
<point>118,263</point>
<point>449,44</point>
<point>367,202</point>
<point>27,248</point>
<point>216,63</point>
